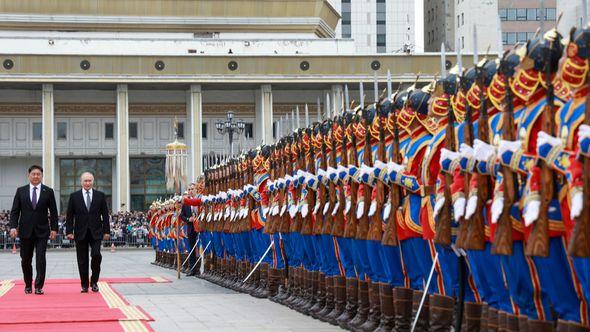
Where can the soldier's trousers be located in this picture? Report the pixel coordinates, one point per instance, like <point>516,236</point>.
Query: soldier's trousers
<point>417,255</point>
<point>486,270</point>
<point>360,258</point>
<point>582,267</point>
<point>217,244</point>
<point>392,264</point>
<point>449,269</point>
<point>556,275</point>
<point>288,247</point>
<point>262,244</point>
<point>346,259</point>
<point>297,249</point>
<point>311,262</point>
<point>377,267</point>
<point>523,283</point>
<point>277,252</point>
<point>325,245</point>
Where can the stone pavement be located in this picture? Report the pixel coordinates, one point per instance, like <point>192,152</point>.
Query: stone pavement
<point>188,304</point>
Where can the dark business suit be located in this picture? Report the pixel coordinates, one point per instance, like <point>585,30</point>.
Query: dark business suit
<point>34,226</point>
<point>185,214</point>
<point>88,227</point>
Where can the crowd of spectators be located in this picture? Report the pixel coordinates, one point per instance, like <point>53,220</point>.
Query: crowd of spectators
<point>124,225</point>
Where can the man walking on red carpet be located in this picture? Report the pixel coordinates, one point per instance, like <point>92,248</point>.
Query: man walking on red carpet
<point>88,222</point>
<point>33,218</point>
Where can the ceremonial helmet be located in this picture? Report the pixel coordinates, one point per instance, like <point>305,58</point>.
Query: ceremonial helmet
<point>441,96</point>
<point>575,66</point>
<point>541,51</point>
<point>487,69</point>
<point>506,69</point>
<point>416,107</point>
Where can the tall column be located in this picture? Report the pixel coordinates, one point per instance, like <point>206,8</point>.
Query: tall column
<point>123,197</point>
<point>195,116</point>
<point>48,120</point>
<point>337,97</point>
<point>264,113</point>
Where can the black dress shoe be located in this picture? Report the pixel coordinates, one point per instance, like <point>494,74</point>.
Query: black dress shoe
<point>28,290</point>
<point>84,290</point>
<point>95,288</point>
<point>39,291</point>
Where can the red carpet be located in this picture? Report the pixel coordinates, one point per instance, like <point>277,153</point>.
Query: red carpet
<point>64,308</point>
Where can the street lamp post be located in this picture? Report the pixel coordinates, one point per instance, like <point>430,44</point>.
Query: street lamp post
<point>230,127</point>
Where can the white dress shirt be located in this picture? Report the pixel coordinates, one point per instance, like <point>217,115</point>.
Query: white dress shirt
<point>84,195</point>
<point>31,186</point>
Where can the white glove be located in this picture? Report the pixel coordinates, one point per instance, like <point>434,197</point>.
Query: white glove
<point>372,208</point>
<point>497,207</point>
<point>577,204</point>
<point>483,151</point>
<point>336,208</point>
<point>505,146</point>
<point>531,211</point>
<point>438,205</point>
<point>293,210</point>
<point>347,206</point>
<point>471,206</point>
<point>459,208</point>
<point>544,138</point>
<point>326,208</point>
<point>382,174</point>
<point>316,207</point>
<point>466,151</point>
<point>386,211</point>
<point>283,209</point>
<point>304,210</point>
<point>360,209</point>
<point>449,155</point>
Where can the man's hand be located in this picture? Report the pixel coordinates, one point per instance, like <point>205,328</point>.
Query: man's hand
<point>13,233</point>
<point>70,236</point>
<point>52,235</point>
<point>106,237</point>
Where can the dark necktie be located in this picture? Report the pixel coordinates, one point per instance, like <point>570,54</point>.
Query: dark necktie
<point>34,198</point>
<point>88,200</point>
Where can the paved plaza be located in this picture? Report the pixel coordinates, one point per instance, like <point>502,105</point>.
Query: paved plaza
<point>188,304</point>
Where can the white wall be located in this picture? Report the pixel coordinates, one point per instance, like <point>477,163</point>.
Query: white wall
<point>13,174</point>
<point>483,13</point>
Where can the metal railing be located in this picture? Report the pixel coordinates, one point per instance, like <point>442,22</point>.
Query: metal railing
<point>128,241</point>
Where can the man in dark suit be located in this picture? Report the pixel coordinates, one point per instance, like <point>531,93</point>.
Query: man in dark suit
<point>88,222</point>
<point>34,219</point>
<point>186,214</point>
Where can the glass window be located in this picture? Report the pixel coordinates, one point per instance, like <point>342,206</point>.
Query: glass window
<point>458,21</point>
<point>462,42</point>
<point>521,14</point>
<point>274,129</point>
<point>70,171</point>
<point>381,40</point>
<point>462,19</point>
<point>522,37</point>
<point>511,38</point>
<point>345,18</point>
<point>204,130</point>
<point>133,130</point>
<point>109,130</point>
<point>504,38</point>
<point>62,131</point>
<point>551,14</point>
<point>511,13</point>
<point>37,131</point>
<point>531,14</point>
<point>249,130</point>
<point>502,13</point>
<point>529,35</point>
<point>148,181</point>
<point>346,31</point>
<point>180,132</point>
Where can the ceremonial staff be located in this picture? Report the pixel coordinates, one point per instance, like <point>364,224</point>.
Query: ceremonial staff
<point>538,242</point>
<point>476,230</point>
<point>580,242</point>
<point>376,221</point>
<point>502,244</point>
<point>176,166</point>
<point>390,232</point>
<point>363,223</point>
<point>443,226</point>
